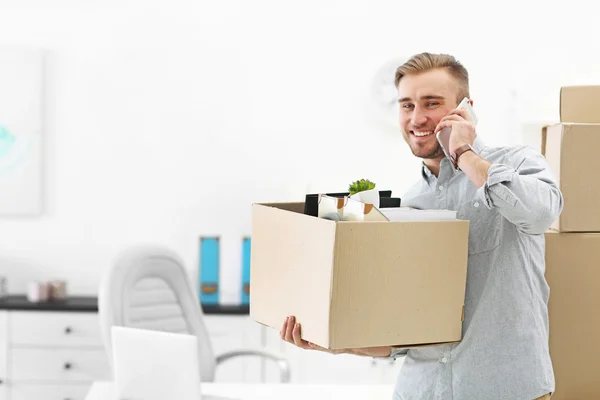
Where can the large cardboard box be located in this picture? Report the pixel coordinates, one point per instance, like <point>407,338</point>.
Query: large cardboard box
<point>580,104</point>
<point>571,151</point>
<point>573,273</point>
<point>358,284</point>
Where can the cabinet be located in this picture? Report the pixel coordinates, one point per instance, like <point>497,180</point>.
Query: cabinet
<point>3,354</point>
<point>51,355</point>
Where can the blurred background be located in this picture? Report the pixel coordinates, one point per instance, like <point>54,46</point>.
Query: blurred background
<point>147,121</point>
<point>164,121</point>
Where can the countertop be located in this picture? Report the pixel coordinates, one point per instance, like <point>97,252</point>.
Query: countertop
<point>90,304</point>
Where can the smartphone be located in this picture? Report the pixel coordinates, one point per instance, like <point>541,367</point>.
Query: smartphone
<point>443,136</point>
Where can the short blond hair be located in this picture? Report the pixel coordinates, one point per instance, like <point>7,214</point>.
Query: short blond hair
<point>424,62</point>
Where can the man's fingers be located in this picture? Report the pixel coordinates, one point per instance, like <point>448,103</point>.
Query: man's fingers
<point>443,124</point>
<point>463,113</point>
<point>283,329</point>
<point>290,327</point>
<point>448,119</point>
<point>298,337</point>
<point>291,333</point>
<point>459,111</point>
<point>452,117</point>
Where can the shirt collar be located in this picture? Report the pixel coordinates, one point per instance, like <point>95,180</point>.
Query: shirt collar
<point>428,176</point>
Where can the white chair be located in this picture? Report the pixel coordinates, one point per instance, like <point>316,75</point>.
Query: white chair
<point>147,287</point>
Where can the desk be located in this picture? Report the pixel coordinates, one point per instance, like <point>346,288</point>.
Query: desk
<point>261,391</point>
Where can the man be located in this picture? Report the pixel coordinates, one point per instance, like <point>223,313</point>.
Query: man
<point>510,198</point>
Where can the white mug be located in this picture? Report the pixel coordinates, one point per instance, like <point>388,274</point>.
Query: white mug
<point>37,292</point>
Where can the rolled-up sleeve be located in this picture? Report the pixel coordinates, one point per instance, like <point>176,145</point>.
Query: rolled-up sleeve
<point>524,191</point>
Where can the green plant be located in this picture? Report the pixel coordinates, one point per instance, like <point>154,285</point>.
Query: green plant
<point>360,186</point>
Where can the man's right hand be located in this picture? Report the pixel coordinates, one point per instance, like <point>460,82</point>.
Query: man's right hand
<point>290,332</point>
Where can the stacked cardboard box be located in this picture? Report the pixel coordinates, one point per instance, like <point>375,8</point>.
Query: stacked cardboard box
<point>573,244</point>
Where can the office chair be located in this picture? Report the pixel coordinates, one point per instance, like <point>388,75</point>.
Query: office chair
<point>147,287</point>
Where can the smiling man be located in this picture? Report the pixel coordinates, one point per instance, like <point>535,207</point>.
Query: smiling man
<point>510,198</point>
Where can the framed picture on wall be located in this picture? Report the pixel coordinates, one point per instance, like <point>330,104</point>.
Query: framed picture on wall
<point>21,83</point>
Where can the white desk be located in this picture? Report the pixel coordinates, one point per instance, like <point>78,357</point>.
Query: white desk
<point>244,391</point>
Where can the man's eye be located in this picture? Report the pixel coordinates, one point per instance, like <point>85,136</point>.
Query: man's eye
<point>407,106</point>
<point>432,104</point>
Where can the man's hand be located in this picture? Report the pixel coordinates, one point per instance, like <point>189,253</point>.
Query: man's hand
<point>463,130</point>
<point>290,332</point>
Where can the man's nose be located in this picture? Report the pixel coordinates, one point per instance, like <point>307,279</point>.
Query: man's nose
<point>419,118</point>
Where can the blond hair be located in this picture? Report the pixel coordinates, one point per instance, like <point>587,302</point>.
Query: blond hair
<point>424,62</point>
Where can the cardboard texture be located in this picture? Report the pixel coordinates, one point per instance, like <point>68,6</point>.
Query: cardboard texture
<point>580,104</point>
<point>573,273</point>
<point>355,284</point>
<point>571,151</point>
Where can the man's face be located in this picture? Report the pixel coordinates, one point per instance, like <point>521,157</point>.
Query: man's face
<point>424,99</point>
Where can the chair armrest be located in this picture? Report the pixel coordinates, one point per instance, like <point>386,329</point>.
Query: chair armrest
<point>282,363</point>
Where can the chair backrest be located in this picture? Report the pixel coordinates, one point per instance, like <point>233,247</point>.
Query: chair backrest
<point>147,287</point>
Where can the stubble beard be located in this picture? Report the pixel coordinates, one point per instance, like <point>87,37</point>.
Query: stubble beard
<point>420,152</point>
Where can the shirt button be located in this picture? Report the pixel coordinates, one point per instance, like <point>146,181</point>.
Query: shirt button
<point>441,187</point>
<point>444,360</point>
<point>476,204</point>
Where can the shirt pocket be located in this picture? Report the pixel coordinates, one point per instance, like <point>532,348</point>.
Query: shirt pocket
<point>484,226</point>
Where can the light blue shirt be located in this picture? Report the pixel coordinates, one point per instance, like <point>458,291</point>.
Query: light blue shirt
<point>504,354</point>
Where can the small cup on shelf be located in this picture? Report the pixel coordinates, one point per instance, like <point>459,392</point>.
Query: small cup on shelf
<point>37,292</point>
<point>58,290</point>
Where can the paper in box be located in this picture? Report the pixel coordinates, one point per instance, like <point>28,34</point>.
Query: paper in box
<point>358,283</point>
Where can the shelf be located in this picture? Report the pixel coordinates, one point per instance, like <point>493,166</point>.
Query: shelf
<point>90,304</point>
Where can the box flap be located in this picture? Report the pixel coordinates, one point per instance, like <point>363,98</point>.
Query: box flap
<point>297,207</point>
<point>580,104</point>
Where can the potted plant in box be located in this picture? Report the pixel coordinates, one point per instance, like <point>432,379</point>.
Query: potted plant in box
<point>364,190</point>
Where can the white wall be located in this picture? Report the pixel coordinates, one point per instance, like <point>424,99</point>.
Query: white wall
<point>166,120</point>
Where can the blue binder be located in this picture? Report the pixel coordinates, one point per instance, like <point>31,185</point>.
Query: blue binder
<point>246,245</point>
<point>209,270</point>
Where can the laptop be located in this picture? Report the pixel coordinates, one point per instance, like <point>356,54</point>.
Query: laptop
<point>155,365</point>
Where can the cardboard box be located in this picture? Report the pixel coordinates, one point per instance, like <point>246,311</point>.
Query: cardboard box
<point>357,284</point>
<point>580,104</point>
<point>571,151</point>
<point>573,273</point>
